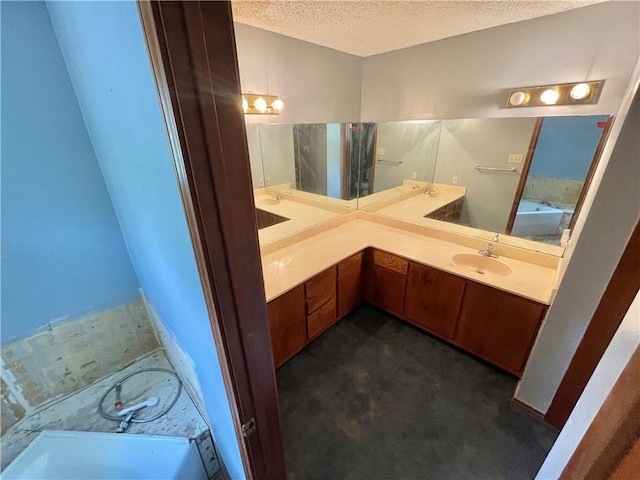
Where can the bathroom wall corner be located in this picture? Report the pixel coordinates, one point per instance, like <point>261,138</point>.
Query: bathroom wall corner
<point>182,363</point>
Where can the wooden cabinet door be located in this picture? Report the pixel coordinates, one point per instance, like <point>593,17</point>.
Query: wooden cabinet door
<point>498,326</point>
<point>433,299</point>
<point>287,321</point>
<point>349,284</point>
<point>385,279</point>
<point>386,289</point>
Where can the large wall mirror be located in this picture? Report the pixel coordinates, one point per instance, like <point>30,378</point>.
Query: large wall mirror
<point>523,178</point>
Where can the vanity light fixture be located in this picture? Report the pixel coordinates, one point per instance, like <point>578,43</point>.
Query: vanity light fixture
<point>579,93</point>
<point>549,96</point>
<point>261,104</point>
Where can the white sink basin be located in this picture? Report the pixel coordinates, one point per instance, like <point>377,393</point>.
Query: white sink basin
<point>482,265</point>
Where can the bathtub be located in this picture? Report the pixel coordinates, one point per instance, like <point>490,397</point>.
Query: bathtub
<point>84,455</point>
<point>534,218</point>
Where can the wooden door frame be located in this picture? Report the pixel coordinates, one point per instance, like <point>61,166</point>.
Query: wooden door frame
<point>193,55</point>
<point>614,304</point>
<point>526,166</point>
<point>614,430</point>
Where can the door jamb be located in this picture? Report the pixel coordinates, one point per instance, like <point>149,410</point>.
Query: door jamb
<point>194,62</point>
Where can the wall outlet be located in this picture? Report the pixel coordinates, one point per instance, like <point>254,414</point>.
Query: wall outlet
<point>380,151</point>
<point>268,181</point>
<point>414,175</point>
<point>454,180</point>
<point>515,158</point>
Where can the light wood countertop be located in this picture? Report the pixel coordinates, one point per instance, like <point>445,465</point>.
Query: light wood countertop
<point>293,264</point>
<point>301,216</point>
<point>414,208</point>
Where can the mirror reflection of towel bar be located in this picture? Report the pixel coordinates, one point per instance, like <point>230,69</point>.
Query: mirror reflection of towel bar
<point>392,162</point>
<point>480,168</point>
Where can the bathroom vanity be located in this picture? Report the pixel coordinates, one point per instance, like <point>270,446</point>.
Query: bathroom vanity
<point>491,308</point>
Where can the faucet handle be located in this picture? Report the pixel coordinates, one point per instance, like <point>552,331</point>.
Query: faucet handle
<point>496,238</point>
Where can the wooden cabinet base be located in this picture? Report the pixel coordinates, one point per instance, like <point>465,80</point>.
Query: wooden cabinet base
<point>321,319</point>
<point>433,299</point>
<point>288,326</point>
<point>496,326</point>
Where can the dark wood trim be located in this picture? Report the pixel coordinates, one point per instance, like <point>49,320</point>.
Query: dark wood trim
<point>613,306</point>
<point>192,50</point>
<point>591,172</point>
<point>346,164</point>
<point>628,468</point>
<point>526,166</point>
<point>614,430</point>
<point>374,161</point>
<point>529,409</point>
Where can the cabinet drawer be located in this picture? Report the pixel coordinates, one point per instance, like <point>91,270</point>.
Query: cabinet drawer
<point>391,262</point>
<point>320,289</point>
<point>353,263</point>
<point>321,319</point>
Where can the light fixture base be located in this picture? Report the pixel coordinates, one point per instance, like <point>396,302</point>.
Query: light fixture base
<point>250,108</point>
<point>533,96</point>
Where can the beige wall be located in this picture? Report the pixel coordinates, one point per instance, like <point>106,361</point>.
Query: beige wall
<point>317,84</point>
<point>468,76</point>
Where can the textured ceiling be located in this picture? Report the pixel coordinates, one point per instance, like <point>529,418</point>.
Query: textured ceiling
<point>369,27</point>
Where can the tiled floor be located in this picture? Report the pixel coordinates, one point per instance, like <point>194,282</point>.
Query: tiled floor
<point>374,398</point>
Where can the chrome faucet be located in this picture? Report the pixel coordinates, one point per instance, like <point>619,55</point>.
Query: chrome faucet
<point>415,186</point>
<point>429,190</point>
<point>488,252</point>
<point>496,238</point>
<point>277,196</point>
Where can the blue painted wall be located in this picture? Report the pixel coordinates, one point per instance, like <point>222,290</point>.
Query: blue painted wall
<point>63,254</point>
<point>566,146</point>
<point>105,53</point>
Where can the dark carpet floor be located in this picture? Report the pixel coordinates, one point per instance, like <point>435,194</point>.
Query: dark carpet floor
<point>374,398</point>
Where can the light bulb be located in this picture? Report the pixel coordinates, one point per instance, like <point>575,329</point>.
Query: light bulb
<point>518,98</point>
<point>549,96</point>
<point>278,105</point>
<point>245,104</point>
<point>260,104</point>
<point>580,91</point>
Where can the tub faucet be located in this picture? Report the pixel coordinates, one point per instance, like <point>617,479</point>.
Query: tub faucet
<point>125,422</point>
<point>488,252</point>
